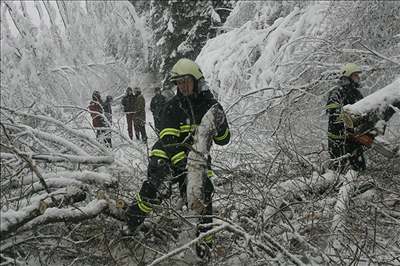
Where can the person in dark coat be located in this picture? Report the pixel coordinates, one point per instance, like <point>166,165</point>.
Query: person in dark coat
<point>156,106</point>
<point>168,156</point>
<point>128,104</point>
<point>139,117</point>
<point>107,108</point>
<point>97,114</point>
<point>344,150</point>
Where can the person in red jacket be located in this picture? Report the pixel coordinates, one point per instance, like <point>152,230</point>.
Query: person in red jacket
<point>96,111</point>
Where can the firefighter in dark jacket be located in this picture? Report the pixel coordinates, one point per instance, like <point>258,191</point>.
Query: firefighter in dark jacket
<point>169,154</point>
<point>128,103</point>
<point>343,146</point>
<point>156,107</point>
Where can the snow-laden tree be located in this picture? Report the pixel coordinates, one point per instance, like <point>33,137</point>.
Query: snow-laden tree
<point>77,47</point>
<point>273,68</point>
<point>181,28</point>
<point>272,64</point>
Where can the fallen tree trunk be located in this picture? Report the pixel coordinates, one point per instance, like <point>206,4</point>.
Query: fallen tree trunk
<point>87,177</point>
<point>378,101</point>
<point>55,215</point>
<point>288,190</point>
<point>365,114</point>
<point>12,220</point>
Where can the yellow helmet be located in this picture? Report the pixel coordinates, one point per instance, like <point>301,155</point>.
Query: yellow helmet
<point>349,69</point>
<point>185,67</point>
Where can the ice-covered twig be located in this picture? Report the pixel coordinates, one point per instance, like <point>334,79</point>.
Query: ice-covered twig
<point>187,245</point>
<point>379,54</point>
<point>290,189</point>
<point>241,232</point>
<point>340,209</point>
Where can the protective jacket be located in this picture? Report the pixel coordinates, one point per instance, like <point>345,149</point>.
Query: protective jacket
<point>157,103</point>
<point>139,108</point>
<point>340,141</point>
<point>168,156</point>
<point>180,117</point>
<point>95,106</point>
<point>107,108</point>
<point>128,102</point>
<point>346,93</point>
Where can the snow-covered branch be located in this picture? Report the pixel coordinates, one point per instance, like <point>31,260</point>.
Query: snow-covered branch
<point>377,101</point>
<point>11,220</point>
<point>63,126</point>
<point>76,214</point>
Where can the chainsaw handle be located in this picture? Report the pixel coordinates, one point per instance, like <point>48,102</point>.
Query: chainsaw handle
<point>364,139</point>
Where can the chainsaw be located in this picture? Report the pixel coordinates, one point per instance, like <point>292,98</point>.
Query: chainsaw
<point>367,130</point>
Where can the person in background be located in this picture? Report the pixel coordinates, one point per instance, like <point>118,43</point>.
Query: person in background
<point>343,148</point>
<point>156,106</point>
<point>96,112</point>
<point>107,108</point>
<point>139,118</point>
<point>128,104</point>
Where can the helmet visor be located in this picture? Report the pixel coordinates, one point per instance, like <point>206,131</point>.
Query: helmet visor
<point>181,79</point>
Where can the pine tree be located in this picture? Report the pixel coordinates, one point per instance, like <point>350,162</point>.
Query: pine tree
<point>181,29</point>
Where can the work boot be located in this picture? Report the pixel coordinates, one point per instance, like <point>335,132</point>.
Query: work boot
<point>128,230</point>
<point>135,218</point>
<point>203,248</point>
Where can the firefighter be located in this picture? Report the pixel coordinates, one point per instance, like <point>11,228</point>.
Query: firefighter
<point>168,156</point>
<point>344,149</point>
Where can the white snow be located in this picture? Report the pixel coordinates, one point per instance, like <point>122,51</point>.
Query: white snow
<point>170,26</point>
<point>215,16</point>
<point>253,55</point>
<point>378,100</point>
<point>197,161</point>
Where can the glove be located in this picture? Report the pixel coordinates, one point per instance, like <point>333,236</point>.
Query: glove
<point>157,171</point>
<point>366,139</point>
<point>180,167</point>
<point>165,190</point>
